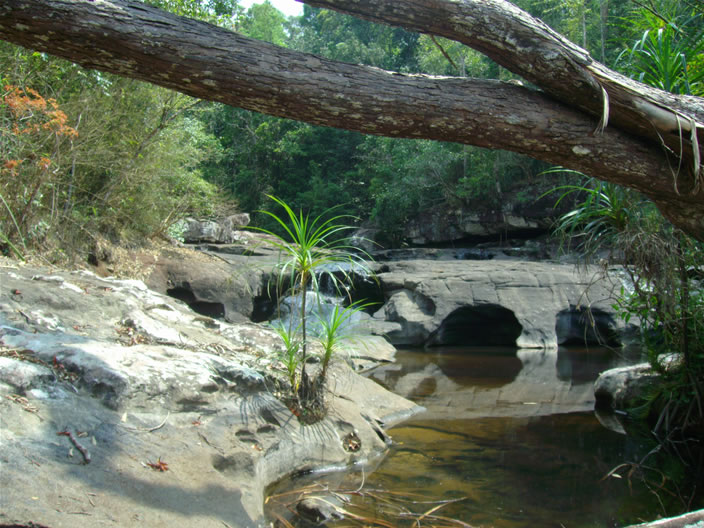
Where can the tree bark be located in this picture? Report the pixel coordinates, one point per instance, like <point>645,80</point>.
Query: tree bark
<point>556,125</point>
<point>528,47</point>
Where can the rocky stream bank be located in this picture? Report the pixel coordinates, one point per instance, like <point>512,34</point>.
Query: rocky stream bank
<point>120,406</point>
<point>154,402</point>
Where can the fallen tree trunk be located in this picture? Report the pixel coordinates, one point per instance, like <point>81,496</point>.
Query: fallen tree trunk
<point>138,41</point>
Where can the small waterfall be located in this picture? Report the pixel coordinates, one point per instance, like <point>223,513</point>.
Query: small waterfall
<point>339,284</point>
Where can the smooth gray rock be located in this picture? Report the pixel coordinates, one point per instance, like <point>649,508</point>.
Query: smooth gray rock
<point>176,412</point>
<point>233,289</point>
<point>621,388</point>
<point>496,302</point>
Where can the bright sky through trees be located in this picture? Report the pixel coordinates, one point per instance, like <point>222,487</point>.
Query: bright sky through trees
<point>287,7</point>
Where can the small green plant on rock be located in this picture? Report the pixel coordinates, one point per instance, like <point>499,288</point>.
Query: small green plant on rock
<point>309,249</point>
<point>334,331</point>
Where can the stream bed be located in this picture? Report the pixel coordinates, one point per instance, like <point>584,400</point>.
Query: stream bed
<point>509,439</point>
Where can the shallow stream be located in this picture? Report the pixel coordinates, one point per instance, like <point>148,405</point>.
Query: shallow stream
<point>512,433</point>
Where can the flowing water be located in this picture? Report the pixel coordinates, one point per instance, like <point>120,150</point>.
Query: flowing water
<point>512,433</point>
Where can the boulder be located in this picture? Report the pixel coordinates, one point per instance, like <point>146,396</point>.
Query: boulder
<point>224,231</point>
<point>119,405</point>
<point>497,302</point>
<point>229,287</point>
<point>621,389</point>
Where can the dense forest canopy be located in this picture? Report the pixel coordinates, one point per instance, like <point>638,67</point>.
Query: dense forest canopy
<point>160,155</point>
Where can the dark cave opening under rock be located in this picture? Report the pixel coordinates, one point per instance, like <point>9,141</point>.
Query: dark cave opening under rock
<point>264,308</point>
<point>215,310</point>
<point>584,326</point>
<point>481,325</point>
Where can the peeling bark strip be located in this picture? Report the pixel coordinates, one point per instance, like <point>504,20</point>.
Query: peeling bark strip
<point>134,40</point>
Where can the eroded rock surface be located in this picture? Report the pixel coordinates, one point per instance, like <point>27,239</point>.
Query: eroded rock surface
<point>496,302</point>
<point>170,417</point>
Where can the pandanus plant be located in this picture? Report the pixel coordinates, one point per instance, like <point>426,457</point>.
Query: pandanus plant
<point>310,248</point>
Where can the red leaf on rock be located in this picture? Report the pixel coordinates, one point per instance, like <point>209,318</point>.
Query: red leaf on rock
<point>159,465</point>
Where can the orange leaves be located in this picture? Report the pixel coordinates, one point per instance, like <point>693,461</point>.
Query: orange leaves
<point>33,113</point>
<point>34,122</point>
<point>20,104</point>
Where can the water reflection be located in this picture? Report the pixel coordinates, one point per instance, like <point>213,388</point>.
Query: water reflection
<point>513,433</point>
<point>465,382</point>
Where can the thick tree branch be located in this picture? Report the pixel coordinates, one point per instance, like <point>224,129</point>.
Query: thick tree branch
<point>528,47</point>
<point>135,40</point>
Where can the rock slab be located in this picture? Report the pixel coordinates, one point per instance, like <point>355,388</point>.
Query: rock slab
<point>496,302</point>
<point>121,406</point>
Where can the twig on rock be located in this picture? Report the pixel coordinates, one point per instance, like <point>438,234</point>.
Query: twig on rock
<point>81,449</point>
<point>146,429</point>
<point>161,424</point>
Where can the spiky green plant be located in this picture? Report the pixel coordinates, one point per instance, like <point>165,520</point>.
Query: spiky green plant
<point>290,355</point>
<point>596,222</point>
<point>309,246</point>
<point>668,55</point>
<point>335,331</point>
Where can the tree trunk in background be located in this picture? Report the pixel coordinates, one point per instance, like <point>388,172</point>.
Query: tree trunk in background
<point>556,124</point>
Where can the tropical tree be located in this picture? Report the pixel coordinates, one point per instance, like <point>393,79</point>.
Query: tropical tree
<point>264,22</point>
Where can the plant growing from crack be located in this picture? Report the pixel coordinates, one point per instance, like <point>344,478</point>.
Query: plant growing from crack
<point>309,249</point>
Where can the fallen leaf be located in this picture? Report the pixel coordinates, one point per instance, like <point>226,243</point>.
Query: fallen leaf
<point>159,465</point>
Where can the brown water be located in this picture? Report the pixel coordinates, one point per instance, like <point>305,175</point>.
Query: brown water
<point>511,433</point>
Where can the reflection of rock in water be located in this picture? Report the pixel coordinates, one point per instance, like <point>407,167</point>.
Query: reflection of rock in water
<point>422,384</point>
<point>475,367</point>
<point>582,365</point>
<point>474,383</point>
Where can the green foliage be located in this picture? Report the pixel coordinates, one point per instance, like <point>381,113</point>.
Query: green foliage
<point>310,246</point>
<point>5,239</point>
<point>441,56</point>
<point>220,12</point>
<point>669,60</point>
<point>335,331</point>
<point>605,211</point>
<point>349,39</point>
<point>291,354</point>
<point>667,47</point>
<point>264,22</point>
<point>103,157</point>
